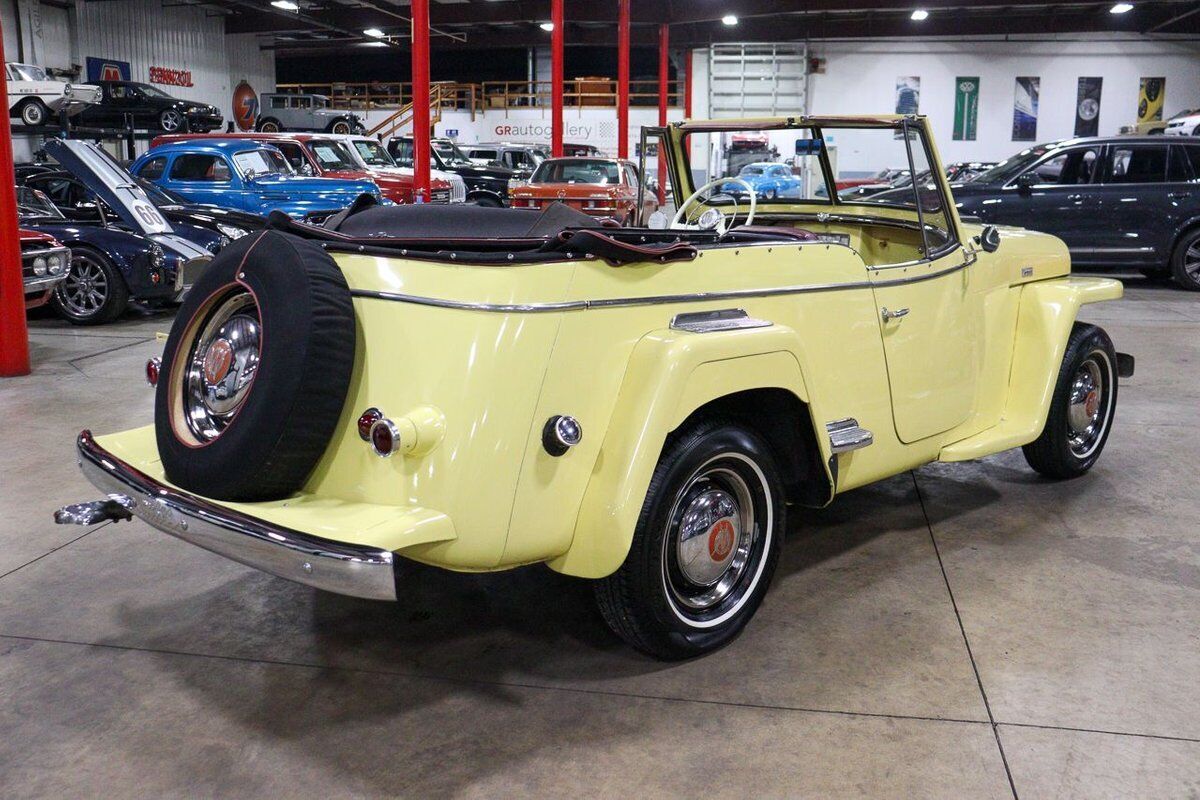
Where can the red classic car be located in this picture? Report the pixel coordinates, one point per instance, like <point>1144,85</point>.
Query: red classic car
<point>44,264</point>
<point>324,156</point>
<point>601,187</point>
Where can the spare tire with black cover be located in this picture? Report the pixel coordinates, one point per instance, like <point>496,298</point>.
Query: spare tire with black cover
<point>256,370</point>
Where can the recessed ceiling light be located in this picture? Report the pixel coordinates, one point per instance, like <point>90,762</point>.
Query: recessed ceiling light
<point>729,19</point>
<point>547,26</point>
<point>920,14</point>
<point>378,34</point>
<point>1121,8</point>
<point>286,5</point>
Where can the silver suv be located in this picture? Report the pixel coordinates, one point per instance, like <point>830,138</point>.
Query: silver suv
<point>280,111</point>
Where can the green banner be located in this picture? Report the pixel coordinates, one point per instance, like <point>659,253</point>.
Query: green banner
<point>966,108</point>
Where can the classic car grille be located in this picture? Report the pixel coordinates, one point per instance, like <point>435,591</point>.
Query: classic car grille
<point>29,253</point>
<point>458,189</point>
<point>439,196</point>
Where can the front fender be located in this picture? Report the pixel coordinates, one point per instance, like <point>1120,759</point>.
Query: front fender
<point>670,374</point>
<point>1046,314</point>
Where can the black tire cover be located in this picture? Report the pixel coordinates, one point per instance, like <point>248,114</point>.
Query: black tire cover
<point>306,357</point>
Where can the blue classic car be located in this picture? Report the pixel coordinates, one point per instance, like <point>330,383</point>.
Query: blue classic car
<point>249,176</point>
<point>768,179</point>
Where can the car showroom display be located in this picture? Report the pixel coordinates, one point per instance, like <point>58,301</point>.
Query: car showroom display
<point>36,99</point>
<point>304,112</point>
<point>369,154</point>
<point>129,252</point>
<point>1115,202</point>
<point>246,175</point>
<point>484,185</point>
<point>600,187</point>
<point>325,402</point>
<point>147,107</point>
<point>1185,123</point>
<point>44,264</point>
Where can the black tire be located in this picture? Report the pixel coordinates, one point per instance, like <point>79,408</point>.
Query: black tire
<point>93,292</point>
<point>487,201</point>
<point>650,601</point>
<point>250,418</point>
<point>172,121</point>
<point>1066,448</point>
<point>34,113</point>
<point>269,125</point>
<point>1185,261</point>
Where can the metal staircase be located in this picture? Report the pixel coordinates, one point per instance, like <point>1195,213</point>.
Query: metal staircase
<point>404,115</point>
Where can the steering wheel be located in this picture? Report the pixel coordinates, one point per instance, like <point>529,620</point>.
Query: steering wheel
<point>722,225</point>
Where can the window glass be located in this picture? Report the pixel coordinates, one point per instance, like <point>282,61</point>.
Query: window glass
<point>783,165</point>
<point>294,155</point>
<point>578,170</point>
<point>932,203</point>
<point>402,151</point>
<point>1178,168</point>
<point>631,175</point>
<point>278,102</point>
<point>373,154</point>
<point>331,155</point>
<point>490,155</point>
<point>120,91</point>
<point>1070,168</point>
<point>1192,152</point>
<point>200,167</point>
<point>27,72</point>
<point>1137,163</point>
<point>303,102</point>
<point>152,170</point>
<point>256,163</point>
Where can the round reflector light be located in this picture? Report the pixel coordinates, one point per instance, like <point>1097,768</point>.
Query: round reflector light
<point>366,420</point>
<point>152,368</point>
<point>385,438</point>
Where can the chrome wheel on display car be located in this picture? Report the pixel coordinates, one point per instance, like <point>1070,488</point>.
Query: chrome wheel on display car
<point>92,291</point>
<point>172,121</point>
<point>1185,261</point>
<point>705,546</point>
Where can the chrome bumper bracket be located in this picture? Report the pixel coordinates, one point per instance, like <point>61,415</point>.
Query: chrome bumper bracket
<point>116,508</point>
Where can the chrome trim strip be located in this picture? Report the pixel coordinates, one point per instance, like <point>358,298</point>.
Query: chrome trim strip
<point>651,300</point>
<point>348,569</point>
<point>42,282</point>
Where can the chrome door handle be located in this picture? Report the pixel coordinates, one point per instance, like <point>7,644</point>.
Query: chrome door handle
<point>897,314</point>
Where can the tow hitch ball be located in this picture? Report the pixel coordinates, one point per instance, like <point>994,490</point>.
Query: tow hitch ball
<point>114,508</point>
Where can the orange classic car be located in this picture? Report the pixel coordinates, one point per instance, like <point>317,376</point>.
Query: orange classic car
<point>601,187</point>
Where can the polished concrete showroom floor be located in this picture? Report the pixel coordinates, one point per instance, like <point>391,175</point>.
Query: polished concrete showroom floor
<point>963,631</point>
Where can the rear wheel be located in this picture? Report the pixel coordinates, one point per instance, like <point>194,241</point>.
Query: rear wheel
<point>705,546</point>
<point>1185,261</point>
<point>34,113</point>
<point>172,121</point>
<point>93,291</point>
<point>341,126</point>
<point>1082,408</point>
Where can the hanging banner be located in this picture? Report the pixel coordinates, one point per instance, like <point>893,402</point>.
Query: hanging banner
<point>1151,94</point>
<point>1087,107</point>
<point>107,69</point>
<point>1025,109</point>
<point>908,96</point>
<point>966,108</point>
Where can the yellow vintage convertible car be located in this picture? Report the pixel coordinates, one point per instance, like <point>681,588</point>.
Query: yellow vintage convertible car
<point>479,389</point>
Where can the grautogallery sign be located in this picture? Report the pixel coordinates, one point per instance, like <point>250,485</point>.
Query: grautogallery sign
<point>599,133</point>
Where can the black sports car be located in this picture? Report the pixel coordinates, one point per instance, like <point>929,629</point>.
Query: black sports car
<point>150,107</point>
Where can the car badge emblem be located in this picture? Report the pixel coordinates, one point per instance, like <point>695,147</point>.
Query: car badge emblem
<point>217,360</point>
<point>720,540</point>
<point>562,193</point>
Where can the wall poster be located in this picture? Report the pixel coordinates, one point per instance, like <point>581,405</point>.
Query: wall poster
<point>966,108</point>
<point>1151,94</point>
<point>1025,109</point>
<point>1087,107</point>
<point>908,96</point>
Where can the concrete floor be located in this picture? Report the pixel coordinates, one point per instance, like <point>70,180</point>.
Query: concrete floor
<point>965,631</point>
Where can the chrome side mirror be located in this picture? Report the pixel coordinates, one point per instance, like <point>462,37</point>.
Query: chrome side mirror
<point>989,239</point>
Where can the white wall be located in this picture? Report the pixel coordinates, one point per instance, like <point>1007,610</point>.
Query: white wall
<point>861,78</point>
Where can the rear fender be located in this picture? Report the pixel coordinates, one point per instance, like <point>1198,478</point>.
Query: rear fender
<point>1047,312</point>
<point>670,374</point>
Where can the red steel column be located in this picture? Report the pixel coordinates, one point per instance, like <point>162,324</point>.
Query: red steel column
<point>664,44</point>
<point>556,78</point>
<point>420,79</point>
<point>14,337</point>
<point>622,78</point>
<point>687,85</point>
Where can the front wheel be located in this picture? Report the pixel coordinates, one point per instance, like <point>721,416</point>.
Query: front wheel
<point>93,291</point>
<point>705,545</point>
<point>270,126</point>
<point>1082,408</point>
<point>1185,261</point>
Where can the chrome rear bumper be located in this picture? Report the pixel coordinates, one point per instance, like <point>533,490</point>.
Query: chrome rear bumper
<point>338,567</point>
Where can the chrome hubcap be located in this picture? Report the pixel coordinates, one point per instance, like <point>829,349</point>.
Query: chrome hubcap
<point>1086,408</point>
<point>711,539</point>
<point>85,288</point>
<point>222,365</point>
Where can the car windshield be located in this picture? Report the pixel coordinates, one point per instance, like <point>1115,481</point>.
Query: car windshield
<point>372,153</point>
<point>28,72</point>
<point>256,163</point>
<point>331,155</point>
<point>32,203</point>
<point>577,170</point>
<point>154,91</point>
<point>451,154</point>
<point>1013,166</point>
<point>751,171</point>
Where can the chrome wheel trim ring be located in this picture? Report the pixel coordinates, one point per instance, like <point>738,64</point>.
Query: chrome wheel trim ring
<point>221,365</point>
<point>84,290</point>
<point>1089,404</point>
<point>690,602</point>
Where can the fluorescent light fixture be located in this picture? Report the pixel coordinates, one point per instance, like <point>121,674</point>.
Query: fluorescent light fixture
<point>286,5</point>
<point>920,14</point>
<point>378,34</point>
<point>1121,8</point>
<point>729,19</point>
<point>547,26</point>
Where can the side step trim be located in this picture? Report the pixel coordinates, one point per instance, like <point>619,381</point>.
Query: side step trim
<point>846,435</point>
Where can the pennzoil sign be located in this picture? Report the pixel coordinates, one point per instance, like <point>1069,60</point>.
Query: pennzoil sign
<point>171,77</point>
